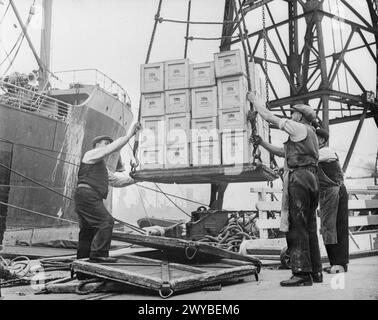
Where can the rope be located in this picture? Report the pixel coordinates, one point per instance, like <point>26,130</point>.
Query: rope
<point>191,38</point>
<point>187,29</point>
<point>161,19</point>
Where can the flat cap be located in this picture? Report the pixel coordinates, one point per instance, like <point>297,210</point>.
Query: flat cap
<point>308,113</point>
<point>99,138</point>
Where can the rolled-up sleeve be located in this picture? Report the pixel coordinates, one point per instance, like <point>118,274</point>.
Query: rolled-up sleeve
<point>296,130</point>
<point>119,179</point>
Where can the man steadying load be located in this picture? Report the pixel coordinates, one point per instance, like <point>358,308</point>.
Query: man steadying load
<point>300,190</point>
<point>333,206</point>
<point>95,221</point>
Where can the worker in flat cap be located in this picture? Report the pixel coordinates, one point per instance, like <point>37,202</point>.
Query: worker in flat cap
<point>95,221</point>
<point>333,206</point>
<point>300,189</point>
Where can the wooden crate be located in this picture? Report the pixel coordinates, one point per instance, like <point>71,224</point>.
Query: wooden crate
<point>204,102</point>
<point>206,153</point>
<point>232,93</point>
<point>153,131</point>
<point>236,148</point>
<point>178,127</point>
<point>153,104</point>
<point>177,101</point>
<point>205,128</point>
<point>233,119</point>
<point>176,74</point>
<point>202,74</point>
<point>177,155</point>
<point>229,63</point>
<point>152,77</point>
<point>152,157</point>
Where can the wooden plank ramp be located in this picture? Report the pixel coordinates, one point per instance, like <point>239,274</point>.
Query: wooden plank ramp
<point>208,174</point>
<point>190,250</point>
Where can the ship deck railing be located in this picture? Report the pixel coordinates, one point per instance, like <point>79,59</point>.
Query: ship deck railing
<point>68,79</point>
<point>29,99</point>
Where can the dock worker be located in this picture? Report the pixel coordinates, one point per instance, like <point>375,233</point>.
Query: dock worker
<point>95,221</point>
<point>333,200</point>
<point>300,191</point>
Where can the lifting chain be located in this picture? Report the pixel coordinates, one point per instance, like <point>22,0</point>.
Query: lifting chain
<point>273,163</point>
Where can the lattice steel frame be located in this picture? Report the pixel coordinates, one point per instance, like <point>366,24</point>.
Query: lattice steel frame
<point>295,64</point>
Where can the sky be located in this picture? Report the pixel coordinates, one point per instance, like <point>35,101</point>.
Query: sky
<point>113,36</point>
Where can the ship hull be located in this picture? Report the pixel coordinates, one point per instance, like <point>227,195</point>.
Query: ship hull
<point>48,151</point>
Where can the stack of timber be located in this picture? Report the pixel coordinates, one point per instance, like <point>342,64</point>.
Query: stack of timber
<point>194,118</point>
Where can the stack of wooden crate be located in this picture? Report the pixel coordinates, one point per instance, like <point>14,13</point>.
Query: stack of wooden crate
<point>232,83</point>
<point>205,129</point>
<point>196,114</point>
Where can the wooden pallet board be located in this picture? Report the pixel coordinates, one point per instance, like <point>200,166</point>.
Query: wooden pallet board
<point>184,249</point>
<point>208,174</point>
<point>164,277</point>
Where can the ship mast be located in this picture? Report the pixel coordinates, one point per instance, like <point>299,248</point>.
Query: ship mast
<point>44,59</point>
<point>45,44</point>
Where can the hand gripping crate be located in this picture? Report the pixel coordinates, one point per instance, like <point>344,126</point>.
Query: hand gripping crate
<point>152,77</point>
<point>176,74</point>
<point>202,74</point>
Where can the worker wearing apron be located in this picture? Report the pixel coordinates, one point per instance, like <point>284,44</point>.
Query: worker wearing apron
<point>95,221</point>
<point>333,207</point>
<point>300,191</point>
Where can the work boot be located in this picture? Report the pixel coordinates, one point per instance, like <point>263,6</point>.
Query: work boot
<point>103,260</point>
<point>297,280</point>
<point>317,277</point>
<point>336,269</point>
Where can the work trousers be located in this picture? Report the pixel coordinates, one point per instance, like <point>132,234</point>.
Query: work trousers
<point>302,237</point>
<point>95,222</point>
<point>334,217</point>
<point>2,228</point>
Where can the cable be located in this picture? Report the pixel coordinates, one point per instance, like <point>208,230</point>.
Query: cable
<point>39,152</point>
<point>5,12</point>
<point>172,201</point>
<point>36,212</point>
<point>172,195</point>
<point>34,181</point>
